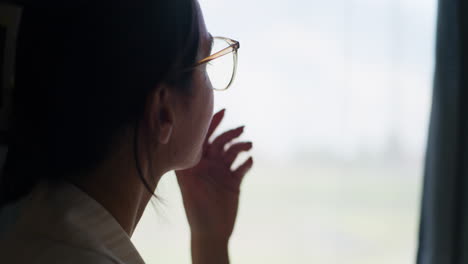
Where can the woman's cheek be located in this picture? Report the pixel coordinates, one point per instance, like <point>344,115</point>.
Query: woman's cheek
<point>210,103</point>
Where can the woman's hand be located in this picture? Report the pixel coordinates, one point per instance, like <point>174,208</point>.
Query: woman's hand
<point>210,190</point>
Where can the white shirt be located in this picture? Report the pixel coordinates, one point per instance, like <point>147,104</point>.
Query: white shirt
<point>62,224</point>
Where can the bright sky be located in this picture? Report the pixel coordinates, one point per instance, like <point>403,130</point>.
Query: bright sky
<point>341,76</point>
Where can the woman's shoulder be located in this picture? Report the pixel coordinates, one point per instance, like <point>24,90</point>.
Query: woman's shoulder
<point>63,225</point>
<point>25,250</point>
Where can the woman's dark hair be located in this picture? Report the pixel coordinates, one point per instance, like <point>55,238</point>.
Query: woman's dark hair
<point>83,73</point>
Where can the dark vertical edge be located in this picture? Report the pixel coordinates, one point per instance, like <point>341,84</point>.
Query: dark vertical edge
<point>461,196</point>
<point>3,79</point>
<point>424,238</point>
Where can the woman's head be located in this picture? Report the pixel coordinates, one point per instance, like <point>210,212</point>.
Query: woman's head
<point>89,74</point>
<point>179,120</point>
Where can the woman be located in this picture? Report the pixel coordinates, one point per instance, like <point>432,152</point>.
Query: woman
<point>111,95</point>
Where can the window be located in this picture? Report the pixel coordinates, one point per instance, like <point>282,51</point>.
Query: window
<point>336,98</point>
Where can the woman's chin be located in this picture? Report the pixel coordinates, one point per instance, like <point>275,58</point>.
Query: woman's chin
<point>195,160</point>
<point>191,162</point>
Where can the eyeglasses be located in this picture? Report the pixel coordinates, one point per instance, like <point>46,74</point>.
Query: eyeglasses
<point>221,65</point>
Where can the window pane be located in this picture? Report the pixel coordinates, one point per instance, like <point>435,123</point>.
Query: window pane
<point>336,97</point>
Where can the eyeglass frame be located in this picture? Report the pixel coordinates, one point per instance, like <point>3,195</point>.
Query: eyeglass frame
<point>234,45</point>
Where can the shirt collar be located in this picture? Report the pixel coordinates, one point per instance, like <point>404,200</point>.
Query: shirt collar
<point>70,215</point>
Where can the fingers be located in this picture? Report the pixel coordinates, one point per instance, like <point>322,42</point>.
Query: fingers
<point>219,142</point>
<point>233,151</point>
<point>215,121</point>
<point>243,169</point>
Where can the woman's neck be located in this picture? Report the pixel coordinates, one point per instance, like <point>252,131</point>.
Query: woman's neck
<point>117,186</point>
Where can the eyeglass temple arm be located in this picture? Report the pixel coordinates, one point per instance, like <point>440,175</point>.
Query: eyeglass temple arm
<point>232,48</point>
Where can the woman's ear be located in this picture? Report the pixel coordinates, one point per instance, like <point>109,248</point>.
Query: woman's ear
<point>161,114</point>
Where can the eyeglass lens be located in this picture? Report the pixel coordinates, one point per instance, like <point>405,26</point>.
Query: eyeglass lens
<point>221,70</point>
